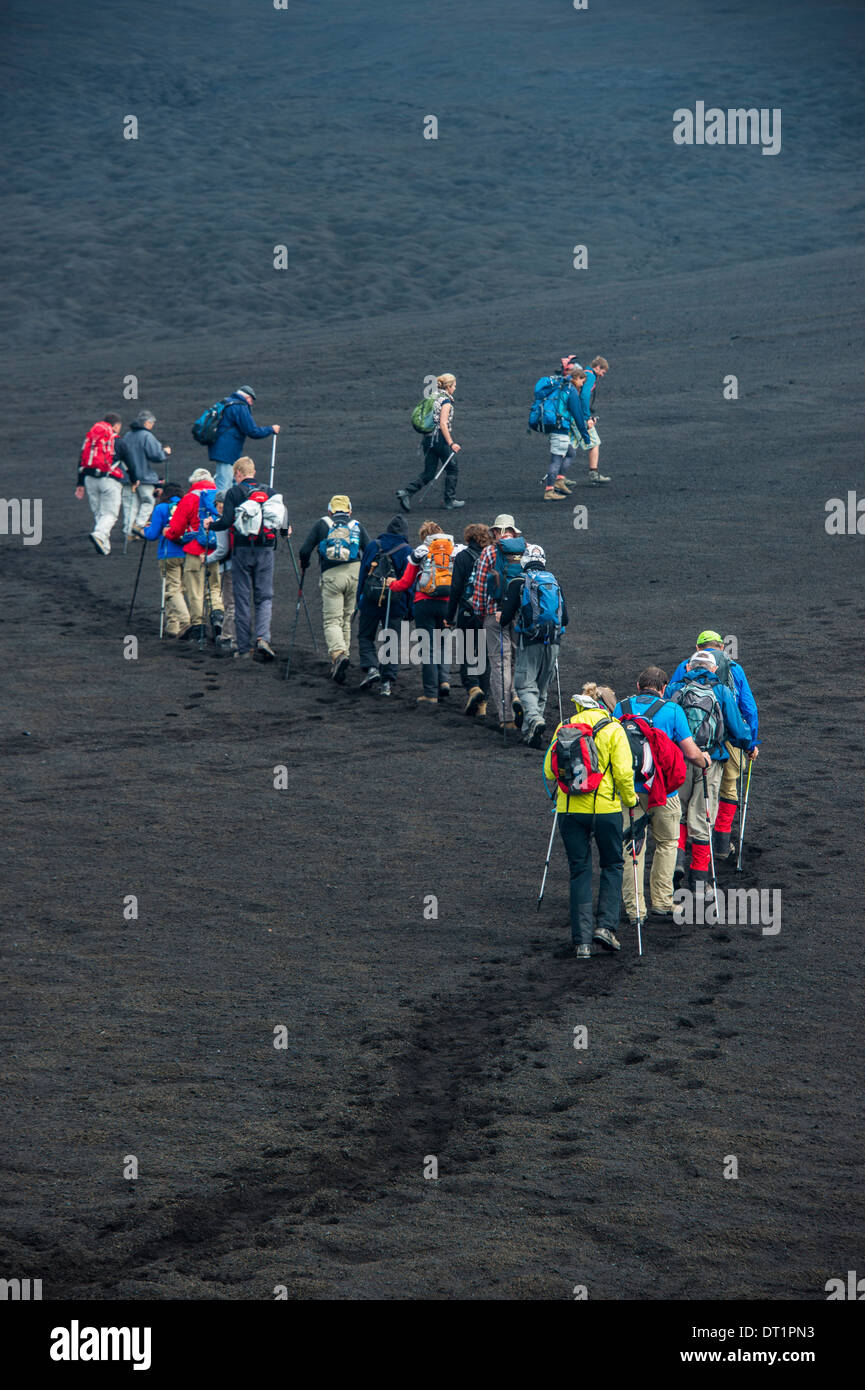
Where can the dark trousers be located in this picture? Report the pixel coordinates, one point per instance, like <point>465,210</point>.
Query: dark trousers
<point>577,831</point>
<point>368,625</point>
<point>479,679</point>
<point>429,615</point>
<point>252,575</point>
<point>434,454</point>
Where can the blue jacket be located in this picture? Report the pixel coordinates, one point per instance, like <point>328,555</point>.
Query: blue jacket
<point>399,604</point>
<point>586,390</point>
<point>741,689</point>
<point>158,521</point>
<point>578,414</point>
<point>236,425</point>
<point>737,731</point>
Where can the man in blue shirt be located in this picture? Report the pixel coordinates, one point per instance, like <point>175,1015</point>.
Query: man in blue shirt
<point>236,425</point>
<point>731,675</point>
<point>649,704</point>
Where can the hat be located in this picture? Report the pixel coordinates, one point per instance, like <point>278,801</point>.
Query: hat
<point>533,555</point>
<point>246,390</point>
<point>220,497</point>
<point>169,489</point>
<point>339,503</point>
<point>709,636</point>
<point>199,475</point>
<point>397,527</point>
<point>505,522</point>
<point>704,659</point>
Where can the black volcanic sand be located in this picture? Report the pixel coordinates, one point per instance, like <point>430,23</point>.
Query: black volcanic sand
<point>257,908</point>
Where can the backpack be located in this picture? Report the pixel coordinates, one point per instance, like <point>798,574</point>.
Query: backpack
<point>507,565</point>
<point>205,429</point>
<point>342,542</point>
<point>98,449</point>
<point>725,669</point>
<point>464,603</point>
<point>436,571</point>
<point>575,761</point>
<point>540,613</point>
<point>636,727</point>
<point>381,568</point>
<point>423,416</point>
<point>703,712</point>
<point>549,413</point>
<point>260,515</point>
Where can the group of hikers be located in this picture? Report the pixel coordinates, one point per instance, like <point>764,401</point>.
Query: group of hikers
<point>674,751</point>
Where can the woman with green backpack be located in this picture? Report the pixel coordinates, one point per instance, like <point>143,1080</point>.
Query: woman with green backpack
<point>433,419</point>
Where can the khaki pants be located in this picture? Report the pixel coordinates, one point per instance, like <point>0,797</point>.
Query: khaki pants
<point>496,638</point>
<point>730,776</point>
<point>693,801</point>
<point>664,821</point>
<point>193,587</point>
<point>176,611</point>
<point>338,593</point>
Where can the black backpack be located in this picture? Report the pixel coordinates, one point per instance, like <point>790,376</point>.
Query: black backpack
<point>381,569</point>
<point>641,752</point>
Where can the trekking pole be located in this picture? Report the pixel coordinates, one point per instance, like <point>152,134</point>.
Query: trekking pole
<point>387,611</point>
<point>162,610</point>
<point>549,856</point>
<point>709,828</point>
<point>559,689</point>
<point>272,460</point>
<point>502,668</point>
<point>135,590</point>
<point>636,884</point>
<point>744,815</point>
<point>297,576</point>
<point>207,605</point>
<point>294,628</point>
<point>436,478</point>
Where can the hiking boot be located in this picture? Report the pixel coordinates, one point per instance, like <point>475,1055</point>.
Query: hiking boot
<point>427,702</point>
<point>371,677</point>
<point>660,914</point>
<point>596,476</point>
<point>386,688</point>
<point>561,485</point>
<point>402,498</point>
<point>452,504</point>
<point>607,939</point>
<point>518,713</point>
<point>444,690</point>
<point>265,650</point>
<point>698,880</point>
<point>535,735</point>
<point>185,635</point>
<point>98,544</point>
<point>338,667</point>
<point>583,952</point>
<point>481,710</point>
<point>224,645</point>
<point>216,621</point>
<point>679,871</point>
<point>721,843</point>
<point>551,495</point>
<point>245,657</point>
<point>475,698</point>
<point>508,725</point>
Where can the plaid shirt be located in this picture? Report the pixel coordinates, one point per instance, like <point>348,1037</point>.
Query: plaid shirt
<point>482,604</point>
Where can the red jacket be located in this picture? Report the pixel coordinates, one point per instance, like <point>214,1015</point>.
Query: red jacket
<point>186,516</point>
<point>97,453</point>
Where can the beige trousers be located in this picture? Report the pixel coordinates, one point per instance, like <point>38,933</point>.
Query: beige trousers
<point>664,821</point>
<point>338,593</point>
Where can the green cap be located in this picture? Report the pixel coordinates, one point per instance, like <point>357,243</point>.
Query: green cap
<point>708,636</point>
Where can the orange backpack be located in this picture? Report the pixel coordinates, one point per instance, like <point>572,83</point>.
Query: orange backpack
<point>436,574</point>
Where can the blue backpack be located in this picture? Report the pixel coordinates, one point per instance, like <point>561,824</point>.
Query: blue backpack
<point>549,413</point>
<point>507,565</point>
<point>342,542</point>
<point>207,425</point>
<point>540,612</point>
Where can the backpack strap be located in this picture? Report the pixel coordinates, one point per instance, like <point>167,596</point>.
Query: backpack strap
<point>651,709</point>
<point>627,708</point>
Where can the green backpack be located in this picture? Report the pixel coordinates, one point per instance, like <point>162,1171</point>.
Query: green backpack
<point>423,415</point>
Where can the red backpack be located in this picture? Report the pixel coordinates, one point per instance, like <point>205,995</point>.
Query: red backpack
<point>575,760</point>
<point>97,451</point>
<point>657,760</point>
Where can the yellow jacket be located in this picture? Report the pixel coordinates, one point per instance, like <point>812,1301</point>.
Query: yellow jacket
<point>617,785</point>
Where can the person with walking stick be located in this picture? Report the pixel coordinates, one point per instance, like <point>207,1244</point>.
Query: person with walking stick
<point>255,515</point>
<point>589,760</point>
<point>439,449</point>
<point>340,540</point>
<point>384,558</point>
<point>498,564</point>
<point>174,614</point>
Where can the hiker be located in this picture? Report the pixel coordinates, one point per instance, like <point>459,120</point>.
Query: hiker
<point>659,799</point>
<point>384,558</point>
<point>340,542</point>
<point>594,814</point>
<point>184,529</point>
<point>730,673</point>
<point>597,371</point>
<point>430,571</point>
<point>563,442</point>
<point>714,720</point>
<point>535,605</point>
<point>462,616</point>
<point>236,425</point>
<point>226,642</point>
<point>254,514</point>
<point>140,450</point>
<point>171,557</point>
<point>499,563</point>
<point>100,479</point>
<point>437,445</point>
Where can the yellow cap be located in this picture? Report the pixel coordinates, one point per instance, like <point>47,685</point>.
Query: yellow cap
<point>339,503</point>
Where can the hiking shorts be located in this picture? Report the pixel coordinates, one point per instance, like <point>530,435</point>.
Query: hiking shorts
<point>594,440</point>
<point>559,444</point>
